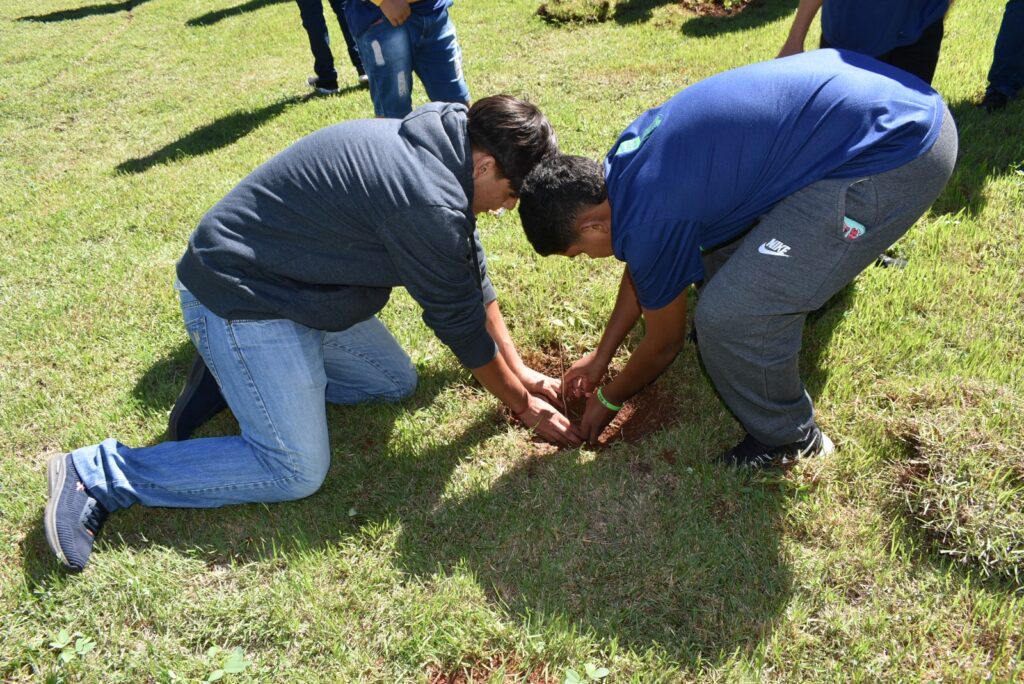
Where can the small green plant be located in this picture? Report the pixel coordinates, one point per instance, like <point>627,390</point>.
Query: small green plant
<point>71,645</point>
<point>592,673</point>
<point>234,663</point>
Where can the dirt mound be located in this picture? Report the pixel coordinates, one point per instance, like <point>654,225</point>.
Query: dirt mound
<point>647,412</point>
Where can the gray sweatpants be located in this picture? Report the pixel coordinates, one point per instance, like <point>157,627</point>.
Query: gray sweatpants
<point>751,311</point>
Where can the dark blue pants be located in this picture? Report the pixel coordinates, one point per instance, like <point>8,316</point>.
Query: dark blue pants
<point>312,12</point>
<point>1007,73</point>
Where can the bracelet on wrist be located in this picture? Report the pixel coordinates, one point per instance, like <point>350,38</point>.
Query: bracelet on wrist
<point>607,404</point>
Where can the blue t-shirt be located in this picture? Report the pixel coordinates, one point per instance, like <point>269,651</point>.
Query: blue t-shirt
<point>361,14</point>
<point>874,27</point>
<point>700,169</point>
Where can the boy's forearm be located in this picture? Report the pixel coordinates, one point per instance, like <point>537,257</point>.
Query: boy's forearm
<point>502,338</point>
<point>624,316</point>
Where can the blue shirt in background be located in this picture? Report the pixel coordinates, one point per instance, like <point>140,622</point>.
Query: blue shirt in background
<point>874,27</point>
<point>700,169</point>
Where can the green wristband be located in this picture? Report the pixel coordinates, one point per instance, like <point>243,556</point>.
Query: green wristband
<point>607,404</point>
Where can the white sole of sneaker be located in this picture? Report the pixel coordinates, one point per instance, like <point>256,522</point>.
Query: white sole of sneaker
<point>56,474</point>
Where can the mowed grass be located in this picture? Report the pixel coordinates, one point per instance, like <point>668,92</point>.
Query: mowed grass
<point>445,545</point>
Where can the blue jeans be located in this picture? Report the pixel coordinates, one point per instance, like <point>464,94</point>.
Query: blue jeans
<point>312,13</point>
<point>425,45</point>
<point>1007,73</point>
<point>276,376</point>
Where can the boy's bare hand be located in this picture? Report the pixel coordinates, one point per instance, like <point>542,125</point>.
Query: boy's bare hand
<point>537,383</point>
<point>396,11</point>
<point>583,376</point>
<point>547,422</point>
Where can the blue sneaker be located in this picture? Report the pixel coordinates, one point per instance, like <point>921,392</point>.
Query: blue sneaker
<point>72,518</point>
<point>750,453</point>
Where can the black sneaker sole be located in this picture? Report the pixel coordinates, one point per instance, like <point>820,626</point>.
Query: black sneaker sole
<point>193,383</point>
<point>56,474</point>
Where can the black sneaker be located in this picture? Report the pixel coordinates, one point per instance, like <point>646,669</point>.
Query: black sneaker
<point>72,518</point>
<point>322,85</point>
<point>751,453</point>
<point>200,401</point>
<point>993,100</point>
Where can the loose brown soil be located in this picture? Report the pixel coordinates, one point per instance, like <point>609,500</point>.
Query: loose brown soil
<point>481,671</point>
<point>717,8</point>
<point>647,412</point>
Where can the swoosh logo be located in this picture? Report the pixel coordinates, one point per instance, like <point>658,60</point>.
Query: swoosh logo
<point>763,249</point>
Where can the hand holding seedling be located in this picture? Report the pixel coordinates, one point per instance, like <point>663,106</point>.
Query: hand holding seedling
<point>583,376</point>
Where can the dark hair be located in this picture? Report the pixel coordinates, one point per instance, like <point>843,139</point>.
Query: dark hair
<point>514,132</point>
<point>552,197</point>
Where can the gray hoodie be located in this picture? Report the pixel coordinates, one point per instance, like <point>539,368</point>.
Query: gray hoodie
<point>322,232</point>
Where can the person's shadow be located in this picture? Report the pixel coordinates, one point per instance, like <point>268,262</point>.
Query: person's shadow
<point>215,16</point>
<point>650,547</point>
<point>213,136</point>
<point>991,145</point>
<point>83,12</point>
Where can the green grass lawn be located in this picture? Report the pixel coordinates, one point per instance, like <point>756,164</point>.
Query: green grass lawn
<point>445,546</point>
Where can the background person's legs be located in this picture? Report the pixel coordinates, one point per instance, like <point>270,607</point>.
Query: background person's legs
<point>350,43</point>
<point>1006,76</point>
<point>387,57</point>
<point>751,313</point>
<point>312,13</point>
<point>437,60</point>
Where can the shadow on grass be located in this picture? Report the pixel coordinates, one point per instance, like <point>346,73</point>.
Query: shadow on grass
<point>221,133</point>
<point>685,557</point>
<point>83,12</point>
<point>211,18</point>
<point>990,146</point>
<point>754,15</point>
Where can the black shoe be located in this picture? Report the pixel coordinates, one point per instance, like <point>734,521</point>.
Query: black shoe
<point>72,518</point>
<point>200,401</point>
<point>751,453</point>
<point>322,85</point>
<point>993,100</point>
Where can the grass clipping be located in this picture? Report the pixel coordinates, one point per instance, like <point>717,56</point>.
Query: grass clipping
<point>962,479</point>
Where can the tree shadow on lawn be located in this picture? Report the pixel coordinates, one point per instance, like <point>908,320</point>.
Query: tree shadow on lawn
<point>83,12</point>
<point>990,146</point>
<point>211,18</point>
<point>221,133</point>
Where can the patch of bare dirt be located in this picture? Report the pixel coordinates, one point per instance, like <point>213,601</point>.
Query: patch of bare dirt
<point>718,8</point>
<point>510,667</point>
<point>649,411</point>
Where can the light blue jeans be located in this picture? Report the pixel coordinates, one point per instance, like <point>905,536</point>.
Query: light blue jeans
<point>277,376</point>
<point>425,45</point>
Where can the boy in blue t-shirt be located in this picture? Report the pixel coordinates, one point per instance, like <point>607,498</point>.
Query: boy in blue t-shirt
<point>905,33</point>
<point>774,203</point>
<point>398,37</point>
